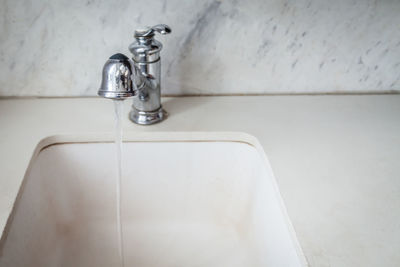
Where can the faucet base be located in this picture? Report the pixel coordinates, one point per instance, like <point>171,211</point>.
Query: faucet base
<point>147,117</point>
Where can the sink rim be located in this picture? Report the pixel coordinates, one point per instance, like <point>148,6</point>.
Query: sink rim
<point>182,136</point>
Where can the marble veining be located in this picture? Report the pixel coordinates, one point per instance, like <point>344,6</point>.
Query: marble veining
<point>58,48</point>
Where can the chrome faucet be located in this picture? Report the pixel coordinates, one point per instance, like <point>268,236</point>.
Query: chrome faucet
<point>138,78</point>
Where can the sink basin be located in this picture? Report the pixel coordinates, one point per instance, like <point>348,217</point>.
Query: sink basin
<point>188,199</point>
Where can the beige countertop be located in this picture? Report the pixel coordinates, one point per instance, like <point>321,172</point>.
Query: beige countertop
<point>335,158</point>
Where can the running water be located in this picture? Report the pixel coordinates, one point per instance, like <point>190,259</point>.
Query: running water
<point>118,106</point>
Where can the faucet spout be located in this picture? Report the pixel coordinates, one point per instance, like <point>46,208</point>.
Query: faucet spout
<point>117,80</point>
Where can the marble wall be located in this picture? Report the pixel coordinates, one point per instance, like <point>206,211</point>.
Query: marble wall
<point>58,48</point>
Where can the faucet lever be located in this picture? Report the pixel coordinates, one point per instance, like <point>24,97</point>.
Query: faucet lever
<point>149,31</point>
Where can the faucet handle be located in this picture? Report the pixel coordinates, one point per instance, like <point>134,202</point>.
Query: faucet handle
<point>149,31</point>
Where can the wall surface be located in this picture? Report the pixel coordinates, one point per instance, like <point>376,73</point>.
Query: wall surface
<point>58,48</point>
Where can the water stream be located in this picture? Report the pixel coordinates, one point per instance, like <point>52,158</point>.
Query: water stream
<point>118,106</point>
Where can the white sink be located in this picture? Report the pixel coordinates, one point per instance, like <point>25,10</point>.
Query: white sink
<point>188,199</point>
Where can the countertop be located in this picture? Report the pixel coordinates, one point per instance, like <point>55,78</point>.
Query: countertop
<point>336,159</point>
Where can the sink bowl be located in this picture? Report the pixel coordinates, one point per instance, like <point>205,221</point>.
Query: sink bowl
<point>188,199</point>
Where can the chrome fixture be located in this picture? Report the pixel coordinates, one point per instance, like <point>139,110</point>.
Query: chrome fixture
<point>116,82</point>
<point>138,78</point>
